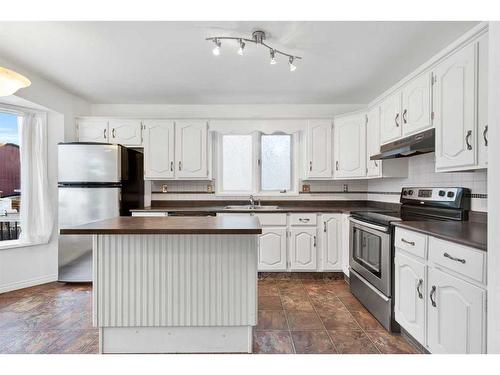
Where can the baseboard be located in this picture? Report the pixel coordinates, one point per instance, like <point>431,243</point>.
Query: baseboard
<point>330,275</point>
<point>27,283</point>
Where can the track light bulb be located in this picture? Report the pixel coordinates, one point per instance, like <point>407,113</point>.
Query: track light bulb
<point>242,46</point>
<point>216,50</point>
<point>273,59</point>
<point>292,66</point>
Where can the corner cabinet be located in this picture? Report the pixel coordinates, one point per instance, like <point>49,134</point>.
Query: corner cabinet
<point>349,135</point>
<point>318,160</point>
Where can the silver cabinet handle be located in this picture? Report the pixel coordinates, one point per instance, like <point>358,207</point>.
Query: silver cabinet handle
<point>105,131</point>
<point>180,166</point>
<point>404,116</point>
<point>485,131</point>
<point>396,119</point>
<point>113,132</point>
<point>419,292</point>
<point>324,226</point>
<point>310,166</point>
<point>337,165</point>
<point>446,255</point>
<point>431,295</point>
<point>304,220</point>
<point>171,166</point>
<point>408,242</point>
<point>467,138</point>
<point>376,164</point>
<point>314,244</point>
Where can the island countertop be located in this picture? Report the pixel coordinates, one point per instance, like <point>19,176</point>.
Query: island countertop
<point>170,225</point>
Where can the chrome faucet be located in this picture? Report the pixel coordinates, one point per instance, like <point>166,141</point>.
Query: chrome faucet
<point>252,201</point>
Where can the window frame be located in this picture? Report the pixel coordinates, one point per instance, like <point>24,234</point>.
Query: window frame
<point>257,167</point>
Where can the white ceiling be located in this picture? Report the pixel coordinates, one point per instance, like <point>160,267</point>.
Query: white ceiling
<point>170,62</point>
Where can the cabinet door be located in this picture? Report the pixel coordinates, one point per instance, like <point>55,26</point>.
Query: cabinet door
<point>92,130</point>
<point>158,149</point>
<point>409,304</point>
<point>373,142</point>
<point>191,152</point>
<point>127,132</point>
<point>416,101</point>
<point>319,149</point>
<point>456,315</point>
<point>303,249</point>
<point>482,101</point>
<point>390,118</point>
<point>331,242</point>
<point>350,146</point>
<point>454,111</point>
<point>272,249</point>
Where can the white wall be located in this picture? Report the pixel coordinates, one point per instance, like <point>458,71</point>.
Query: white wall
<point>421,173</point>
<point>31,265</point>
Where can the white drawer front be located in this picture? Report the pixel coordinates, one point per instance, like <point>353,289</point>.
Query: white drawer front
<point>462,259</point>
<point>412,242</point>
<point>303,219</point>
<point>149,214</point>
<point>272,219</point>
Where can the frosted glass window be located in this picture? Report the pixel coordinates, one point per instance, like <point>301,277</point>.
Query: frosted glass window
<point>237,163</point>
<point>276,163</point>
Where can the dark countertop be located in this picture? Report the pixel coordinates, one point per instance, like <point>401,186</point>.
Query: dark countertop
<point>170,225</point>
<point>466,233</point>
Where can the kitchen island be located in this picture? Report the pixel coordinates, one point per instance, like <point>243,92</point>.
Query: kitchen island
<point>174,284</point>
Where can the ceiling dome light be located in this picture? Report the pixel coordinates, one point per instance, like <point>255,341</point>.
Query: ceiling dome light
<point>273,59</point>
<point>242,46</point>
<point>216,50</point>
<point>11,81</point>
<point>292,66</point>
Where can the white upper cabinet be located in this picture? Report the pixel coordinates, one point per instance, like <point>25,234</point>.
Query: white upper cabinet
<point>390,118</point>
<point>272,249</point>
<point>318,161</point>
<point>410,295</point>
<point>456,315</point>
<point>303,249</point>
<point>373,142</point>
<point>127,132</point>
<point>158,149</point>
<point>92,130</point>
<point>349,137</point>
<point>191,148</point>
<point>454,103</point>
<point>416,105</point>
<point>331,242</point>
<point>482,110</point>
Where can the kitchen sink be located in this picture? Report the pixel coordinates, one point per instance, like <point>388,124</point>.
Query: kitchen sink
<point>251,207</point>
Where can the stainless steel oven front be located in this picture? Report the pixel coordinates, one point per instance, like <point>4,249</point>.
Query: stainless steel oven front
<point>370,253</point>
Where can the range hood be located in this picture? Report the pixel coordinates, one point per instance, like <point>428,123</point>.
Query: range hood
<point>421,143</point>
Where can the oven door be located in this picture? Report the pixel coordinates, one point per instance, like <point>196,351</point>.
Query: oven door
<point>370,253</point>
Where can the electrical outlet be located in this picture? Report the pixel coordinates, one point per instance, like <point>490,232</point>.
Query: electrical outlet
<point>306,188</point>
<point>210,188</point>
<point>345,188</point>
<point>164,188</point>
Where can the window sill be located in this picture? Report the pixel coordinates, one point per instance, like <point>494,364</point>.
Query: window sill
<point>13,244</point>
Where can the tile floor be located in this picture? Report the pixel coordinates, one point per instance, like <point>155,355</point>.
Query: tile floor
<point>295,316</point>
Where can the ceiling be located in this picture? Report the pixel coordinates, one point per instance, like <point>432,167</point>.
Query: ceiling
<point>170,62</point>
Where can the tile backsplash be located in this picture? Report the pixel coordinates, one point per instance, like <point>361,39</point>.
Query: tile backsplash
<point>420,173</point>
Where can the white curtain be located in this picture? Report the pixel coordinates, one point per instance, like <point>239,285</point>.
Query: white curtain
<point>36,210</point>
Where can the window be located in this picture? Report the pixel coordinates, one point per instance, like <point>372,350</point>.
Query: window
<point>255,164</point>
<point>10,177</point>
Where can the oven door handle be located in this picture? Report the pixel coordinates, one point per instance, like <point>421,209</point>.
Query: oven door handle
<point>369,225</point>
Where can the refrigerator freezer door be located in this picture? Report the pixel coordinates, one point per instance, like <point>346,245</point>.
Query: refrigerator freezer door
<point>77,206</point>
<point>84,162</point>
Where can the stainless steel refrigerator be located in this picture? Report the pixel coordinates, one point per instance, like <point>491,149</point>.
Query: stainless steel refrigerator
<point>97,181</point>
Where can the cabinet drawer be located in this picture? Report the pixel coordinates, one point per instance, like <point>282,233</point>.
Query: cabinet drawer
<point>303,219</point>
<point>464,260</point>
<point>412,242</point>
<point>272,219</point>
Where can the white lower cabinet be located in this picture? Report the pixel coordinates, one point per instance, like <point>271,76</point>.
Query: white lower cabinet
<point>442,307</point>
<point>456,315</point>
<point>331,242</point>
<point>303,249</point>
<point>272,250</point>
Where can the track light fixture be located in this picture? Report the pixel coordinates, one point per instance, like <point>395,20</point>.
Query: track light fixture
<point>258,37</point>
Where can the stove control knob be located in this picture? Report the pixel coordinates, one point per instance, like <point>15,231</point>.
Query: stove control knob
<point>450,194</point>
<point>442,193</point>
<point>405,193</point>
<point>410,192</point>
